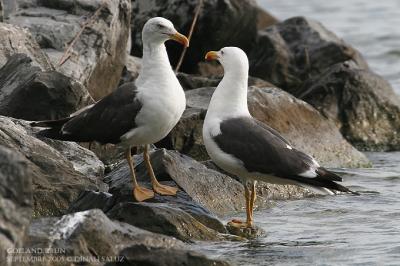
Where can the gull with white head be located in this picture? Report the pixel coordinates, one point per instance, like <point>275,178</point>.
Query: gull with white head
<point>137,113</point>
<point>249,149</point>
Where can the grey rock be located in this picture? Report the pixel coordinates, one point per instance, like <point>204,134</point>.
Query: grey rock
<point>56,183</point>
<point>163,219</point>
<point>98,56</point>
<point>290,52</point>
<point>29,93</point>
<point>138,255</point>
<point>91,234</point>
<point>213,31</point>
<point>15,40</point>
<point>15,201</point>
<point>362,104</point>
<point>296,120</point>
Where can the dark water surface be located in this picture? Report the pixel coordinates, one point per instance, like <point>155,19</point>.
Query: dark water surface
<point>373,27</point>
<point>330,230</point>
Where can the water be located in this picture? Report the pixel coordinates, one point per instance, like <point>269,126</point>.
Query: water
<point>370,26</point>
<point>330,230</point>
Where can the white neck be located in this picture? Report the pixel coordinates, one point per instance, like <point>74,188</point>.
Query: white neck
<point>230,97</point>
<point>155,64</point>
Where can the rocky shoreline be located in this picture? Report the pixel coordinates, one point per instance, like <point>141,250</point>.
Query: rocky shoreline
<point>306,82</point>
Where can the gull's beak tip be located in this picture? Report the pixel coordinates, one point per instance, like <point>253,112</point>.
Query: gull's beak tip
<point>211,55</point>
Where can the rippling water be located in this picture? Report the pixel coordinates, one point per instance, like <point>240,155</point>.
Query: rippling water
<point>344,229</point>
<point>370,26</point>
<point>330,230</point>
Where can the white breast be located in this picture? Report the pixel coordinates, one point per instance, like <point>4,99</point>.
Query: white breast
<point>160,112</point>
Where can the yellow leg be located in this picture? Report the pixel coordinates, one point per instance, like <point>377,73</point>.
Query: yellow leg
<point>157,187</point>
<point>251,203</point>
<point>238,223</point>
<point>139,193</point>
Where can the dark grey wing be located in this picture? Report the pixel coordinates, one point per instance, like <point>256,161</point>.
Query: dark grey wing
<point>108,119</point>
<point>261,149</point>
<point>264,150</point>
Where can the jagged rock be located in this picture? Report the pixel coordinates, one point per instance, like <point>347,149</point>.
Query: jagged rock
<point>98,55</point>
<point>213,30</point>
<point>138,255</point>
<point>297,121</point>
<point>163,219</point>
<point>361,103</point>
<point>15,201</point>
<point>29,93</point>
<point>56,183</point>
<point>14,40</point>
<point>290,52</point>
<point>90,234</point>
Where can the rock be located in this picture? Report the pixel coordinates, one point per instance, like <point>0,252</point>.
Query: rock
<point>98,55</point>
<point>56,183</point>
<point>290,52</point>
<point>265,19</point>
<point>29,93</point>
<point>193,81</point>
<point>213,29</point>
<point>14,40</point>
<point>141,255</point>
<point>297,121</point>
<point>91,235</point>
<point>361,103</point>
<point>246,232</point>
<point>15,201</point>
<point>163,219</point>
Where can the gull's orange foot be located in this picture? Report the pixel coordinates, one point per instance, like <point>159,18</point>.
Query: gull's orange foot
<point>142,194</point>
<point>164,190</point>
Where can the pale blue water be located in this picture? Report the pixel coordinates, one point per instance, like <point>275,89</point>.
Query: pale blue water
<point>330,230</point>
<point>345,229</point>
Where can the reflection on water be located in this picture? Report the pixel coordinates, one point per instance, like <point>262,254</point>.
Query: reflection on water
<point>370,26</point>
<point>331,230</point>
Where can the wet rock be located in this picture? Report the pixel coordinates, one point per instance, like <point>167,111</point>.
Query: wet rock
<point>15,200</point>
<point>56,183</point>
<point>297,121</point>
<point>91,234</point>
<point>361,103</point>
<point>163,219</point>
<point>98,55</point>
<point>29,93</point>
<point>246,232</point>
<point>213,30</point>
<point>290,52</point>
<point>141,255</point>
<point>15,40</point>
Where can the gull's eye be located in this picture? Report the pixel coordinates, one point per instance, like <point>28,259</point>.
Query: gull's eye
<point>222,52</point>
<point>160,26</point>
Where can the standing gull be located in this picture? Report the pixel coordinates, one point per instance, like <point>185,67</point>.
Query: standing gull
<point>249,149</point>
<point>137,113</point>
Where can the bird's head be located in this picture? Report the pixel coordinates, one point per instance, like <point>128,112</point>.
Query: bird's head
<point>158,30</point>
<point>233,59</point>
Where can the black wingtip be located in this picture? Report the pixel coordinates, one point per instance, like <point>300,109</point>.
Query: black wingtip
<point>328,175</point>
